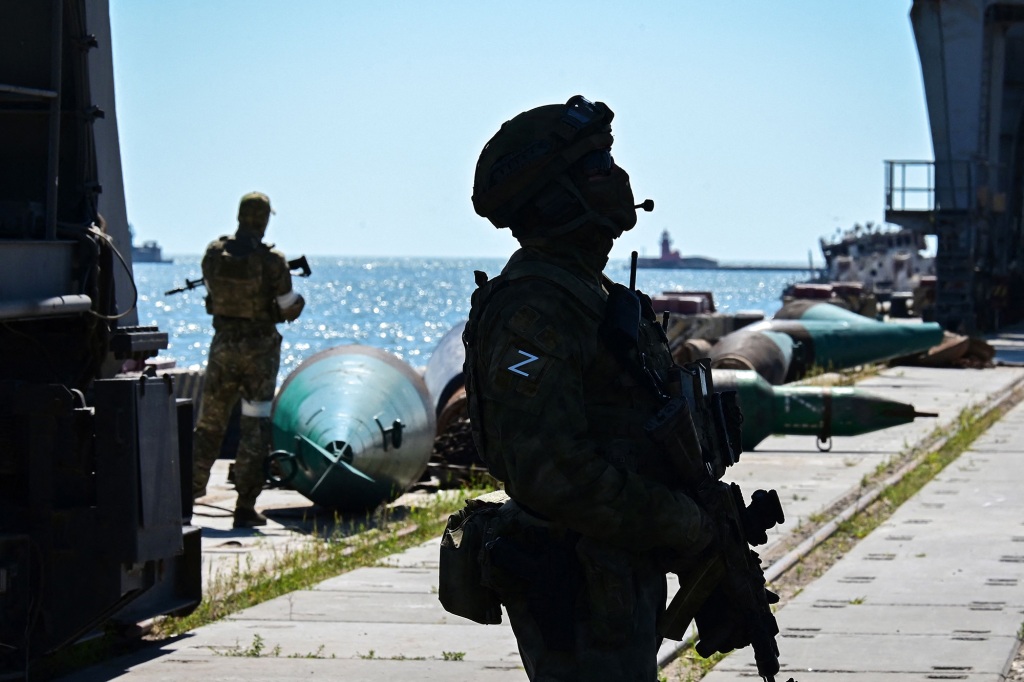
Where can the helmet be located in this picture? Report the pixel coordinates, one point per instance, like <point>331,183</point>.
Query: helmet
<point>532,173</point>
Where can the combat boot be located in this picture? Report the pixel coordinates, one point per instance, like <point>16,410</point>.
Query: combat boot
<point>249,518</point>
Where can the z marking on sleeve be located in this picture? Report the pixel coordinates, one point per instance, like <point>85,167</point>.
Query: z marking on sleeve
<point>529,358</point>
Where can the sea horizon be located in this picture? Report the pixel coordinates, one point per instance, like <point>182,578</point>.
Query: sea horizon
<point>403,305</point>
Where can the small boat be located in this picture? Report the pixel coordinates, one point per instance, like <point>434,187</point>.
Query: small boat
<point>883,260</point>
<point>149,252</point>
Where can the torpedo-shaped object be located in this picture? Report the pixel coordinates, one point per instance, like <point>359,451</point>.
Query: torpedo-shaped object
<point>820,411</point>
<point>454,448</point>
<point>353,428</point>
<point>769,353</point>
<point>821,335</point>
<point>443,375</point>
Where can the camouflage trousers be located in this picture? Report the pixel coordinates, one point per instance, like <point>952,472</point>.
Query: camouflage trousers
<point>579,609</point>
<point>240,367</point>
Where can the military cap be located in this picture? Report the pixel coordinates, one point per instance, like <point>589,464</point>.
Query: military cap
<point>255,198</point>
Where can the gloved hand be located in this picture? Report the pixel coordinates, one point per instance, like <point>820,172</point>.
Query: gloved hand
<point>721,626</point>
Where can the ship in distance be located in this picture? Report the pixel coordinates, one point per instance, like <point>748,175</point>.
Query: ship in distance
<point>147,252</point>
<point>670,259</point>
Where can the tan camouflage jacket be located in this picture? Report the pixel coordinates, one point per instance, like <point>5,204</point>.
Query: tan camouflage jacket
<point>245,280</point>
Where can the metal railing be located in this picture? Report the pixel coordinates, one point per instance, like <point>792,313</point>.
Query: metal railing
<point>929,186</point>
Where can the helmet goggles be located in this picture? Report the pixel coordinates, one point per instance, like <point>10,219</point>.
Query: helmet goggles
<point>583,117</point>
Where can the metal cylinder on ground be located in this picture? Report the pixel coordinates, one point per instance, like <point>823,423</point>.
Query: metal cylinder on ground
<point>820,411</point>
<point>831,338</point>
<point>443,374</point>
<point>353,428</point>
<point>767,352</point>
<point>454,451</point>
<point>691,350</point>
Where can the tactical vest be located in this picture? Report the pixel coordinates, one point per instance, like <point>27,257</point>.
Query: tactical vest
<point>236,283</point>
<point>635,374</point>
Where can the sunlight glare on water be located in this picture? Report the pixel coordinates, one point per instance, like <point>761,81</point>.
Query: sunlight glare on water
<point>401,305</point>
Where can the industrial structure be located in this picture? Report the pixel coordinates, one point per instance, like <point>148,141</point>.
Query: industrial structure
<point>95,466</point>
<point>971,197</point>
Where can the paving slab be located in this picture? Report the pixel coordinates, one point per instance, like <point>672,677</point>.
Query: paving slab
<point>367,607</point>
<point>812,619</point>
<point>176,667</point>
<point>226,551</point>
<point>380,579</point>
<point>866,657</point>
<point>933,593</point>
<point>355,640</point>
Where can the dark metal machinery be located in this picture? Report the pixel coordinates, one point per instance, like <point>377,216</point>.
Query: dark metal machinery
<point>970,196</point>
<point>95,468</point>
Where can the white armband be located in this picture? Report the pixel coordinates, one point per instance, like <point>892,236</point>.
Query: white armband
<point>286,300</point>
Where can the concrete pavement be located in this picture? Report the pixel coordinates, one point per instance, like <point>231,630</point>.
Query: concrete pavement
<point>933,594</point>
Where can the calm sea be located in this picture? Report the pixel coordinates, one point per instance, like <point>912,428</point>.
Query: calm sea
<point>401,305</point>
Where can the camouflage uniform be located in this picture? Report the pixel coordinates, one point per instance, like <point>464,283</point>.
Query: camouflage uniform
<point>249,286</point>
<point>580,565</point>
<point>559,390</point>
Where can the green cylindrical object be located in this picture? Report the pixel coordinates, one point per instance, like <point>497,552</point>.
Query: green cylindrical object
<point>817,411</point>
<point>827,337</point>
<point>843,339</point>
<point>353,427</point>
<point>820,311</point>
<point>767,352</point>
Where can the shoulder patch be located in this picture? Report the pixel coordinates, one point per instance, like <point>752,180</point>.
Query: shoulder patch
<point>547,338</point>
<point>520,369</point>
<point>528,324</point>
<point>522,320</point>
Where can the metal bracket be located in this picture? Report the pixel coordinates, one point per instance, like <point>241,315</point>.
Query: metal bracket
<point>395,433</point>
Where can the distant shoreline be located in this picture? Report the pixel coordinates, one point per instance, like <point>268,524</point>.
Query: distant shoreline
<point>769,266</point>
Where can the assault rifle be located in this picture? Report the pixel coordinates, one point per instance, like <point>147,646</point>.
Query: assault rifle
<point>699,431</point>
<point>300,264</point>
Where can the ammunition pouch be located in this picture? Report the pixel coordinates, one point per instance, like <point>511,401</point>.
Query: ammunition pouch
<point>673,429</point>
<point>460,576</point>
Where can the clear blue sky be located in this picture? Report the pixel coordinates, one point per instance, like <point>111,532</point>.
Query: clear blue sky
<point>756,127</point>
